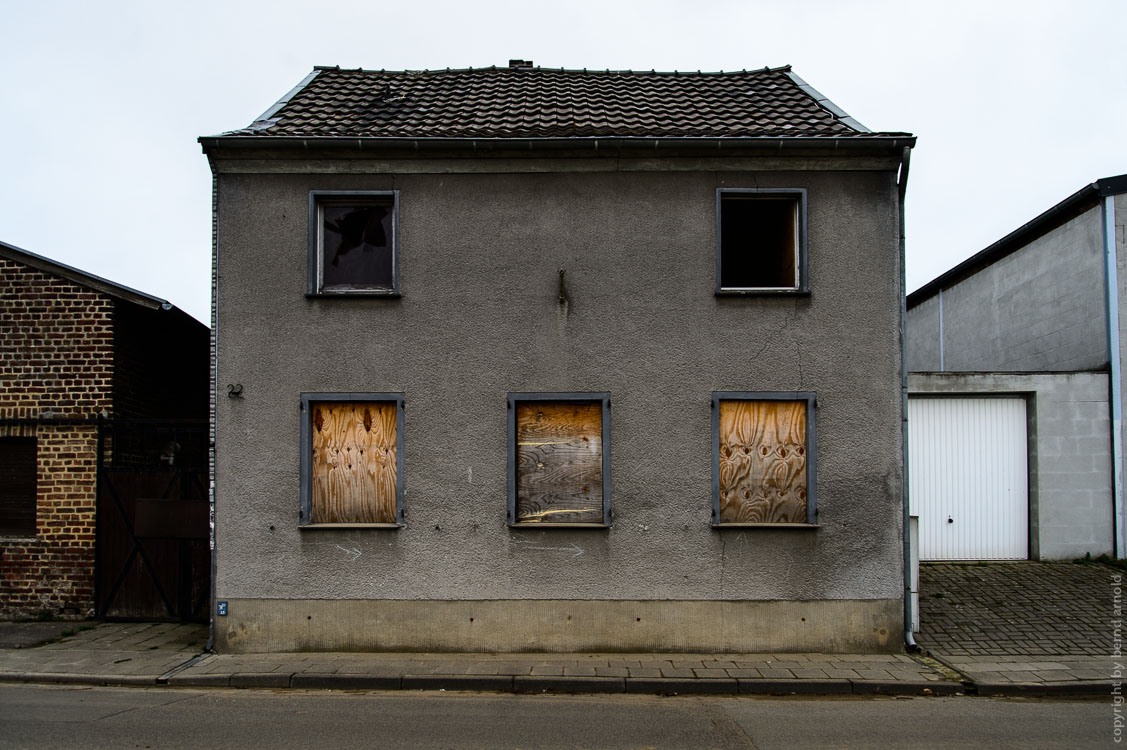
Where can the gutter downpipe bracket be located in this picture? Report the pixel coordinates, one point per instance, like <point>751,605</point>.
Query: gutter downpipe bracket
<point>909,614</point>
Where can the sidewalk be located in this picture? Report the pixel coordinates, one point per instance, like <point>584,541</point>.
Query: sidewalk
<point>998,629</point>
<point>171,654</point>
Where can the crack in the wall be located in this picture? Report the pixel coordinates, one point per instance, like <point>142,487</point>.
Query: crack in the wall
<point>723,562</point>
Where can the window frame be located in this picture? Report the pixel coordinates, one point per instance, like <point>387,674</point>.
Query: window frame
<point>308,400</point>
<point>811,400</point>
<point>314,282</point>
<point>603,398</point>
<point>30,443</point>
<point>799,196</point>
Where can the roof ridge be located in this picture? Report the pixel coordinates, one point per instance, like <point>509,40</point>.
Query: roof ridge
<point>540,68</point>
<point>548,103</point>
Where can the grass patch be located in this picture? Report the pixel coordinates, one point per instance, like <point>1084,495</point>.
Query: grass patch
<point>1107,560</point>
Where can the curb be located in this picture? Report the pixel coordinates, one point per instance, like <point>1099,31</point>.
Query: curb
<point>1044,689</point>
<point>570,684</point>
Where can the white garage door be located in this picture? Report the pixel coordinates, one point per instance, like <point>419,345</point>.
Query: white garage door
<point>968,477</point>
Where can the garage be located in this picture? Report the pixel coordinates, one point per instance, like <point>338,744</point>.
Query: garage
<point>969,477</point>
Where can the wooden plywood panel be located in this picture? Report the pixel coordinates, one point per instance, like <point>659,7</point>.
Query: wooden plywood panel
<point>762,461</point>
<point>354,462</point>
<point>559,462</point>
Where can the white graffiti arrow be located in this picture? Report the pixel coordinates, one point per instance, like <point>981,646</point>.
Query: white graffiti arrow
<point>572,548</point>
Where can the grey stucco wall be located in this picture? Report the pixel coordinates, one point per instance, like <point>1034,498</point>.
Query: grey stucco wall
<point>479,318</point>
<point>1069,454</point>
<point>1038,309</point>
<point>923,337</point>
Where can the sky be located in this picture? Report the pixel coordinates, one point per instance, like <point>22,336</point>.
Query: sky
<point>1016,105</point>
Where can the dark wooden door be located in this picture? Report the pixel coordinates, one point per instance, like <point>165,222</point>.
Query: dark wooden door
<point>153,558</point>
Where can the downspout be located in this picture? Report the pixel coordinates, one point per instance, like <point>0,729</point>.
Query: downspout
<point>1111,289</point>
<point>909,615</point>
<point>214,401</point>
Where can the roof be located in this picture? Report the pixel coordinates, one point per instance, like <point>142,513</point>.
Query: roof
<point>523,102</point>
<point>19,255</point>
<point>1079,202</point>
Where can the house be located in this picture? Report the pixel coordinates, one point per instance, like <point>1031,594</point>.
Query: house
<point>1015,358</point>
<point>535,359</point>
<point>98,382</point>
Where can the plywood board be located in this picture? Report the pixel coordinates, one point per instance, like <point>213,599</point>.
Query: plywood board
<point>559,462</point>
<point>354,462</point>
<point>762,461</point>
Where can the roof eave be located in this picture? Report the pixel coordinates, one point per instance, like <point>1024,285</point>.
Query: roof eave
<point>874,141</point>
<point>1082,200</point>
<point>70,273</point>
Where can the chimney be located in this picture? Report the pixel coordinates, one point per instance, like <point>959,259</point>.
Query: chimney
<point>515,64</point>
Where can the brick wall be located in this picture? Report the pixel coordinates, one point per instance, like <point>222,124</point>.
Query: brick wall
<point>56,362</point>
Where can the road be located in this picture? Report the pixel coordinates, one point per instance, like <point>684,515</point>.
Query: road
<point>57,716</point>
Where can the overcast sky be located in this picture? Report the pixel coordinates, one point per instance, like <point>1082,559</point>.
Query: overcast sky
<point>1016,104</point>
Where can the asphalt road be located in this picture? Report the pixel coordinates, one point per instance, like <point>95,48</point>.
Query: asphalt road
<point>54,717</point>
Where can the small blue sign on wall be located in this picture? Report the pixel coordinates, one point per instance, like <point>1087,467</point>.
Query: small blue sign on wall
<point>221,609</point>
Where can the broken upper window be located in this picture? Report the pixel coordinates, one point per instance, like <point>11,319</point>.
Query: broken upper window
<point>761,240</point>
<point>353,242</point>
<point>763,462</point>
<point>559,459</point>
<point>352,448</point>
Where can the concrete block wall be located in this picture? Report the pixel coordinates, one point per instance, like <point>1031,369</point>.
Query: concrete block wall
<point>1039,309</point>
<point>56,362</point>
<point>1070,468</point>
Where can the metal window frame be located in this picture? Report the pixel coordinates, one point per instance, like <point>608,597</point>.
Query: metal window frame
<point>516,398</point>
<point>314,284</point>
<point>799,196</point>
<point>306,472</point>
<point>811,400</point>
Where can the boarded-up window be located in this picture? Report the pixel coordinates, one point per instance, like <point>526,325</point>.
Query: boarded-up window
<point>559,468</point>
<point>763,468</point>
<point>352,242</point>
<point>17,486</point>
<point>760,240</point>
<point>352,463</point>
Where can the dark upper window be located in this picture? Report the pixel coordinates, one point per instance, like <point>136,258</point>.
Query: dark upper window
<point>352,459</point>
<point>763,464</point>
<point>559,459</point>
<point>760,240</point>
<point>17,486</point>
<point>352,242</point>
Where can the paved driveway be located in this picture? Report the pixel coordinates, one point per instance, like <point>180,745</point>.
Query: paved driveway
<point>1030,622</point>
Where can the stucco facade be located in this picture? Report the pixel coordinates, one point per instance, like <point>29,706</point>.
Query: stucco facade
<point>480,317</point>
<point>483,241</point>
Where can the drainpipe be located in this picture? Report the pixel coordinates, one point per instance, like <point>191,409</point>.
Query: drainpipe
<point>214,399</point>
<point>1111,289</point>
<point>909,615</point>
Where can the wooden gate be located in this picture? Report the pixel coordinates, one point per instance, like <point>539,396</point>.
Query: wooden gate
<point>153,558</point>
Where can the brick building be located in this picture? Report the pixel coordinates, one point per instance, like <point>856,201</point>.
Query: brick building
<point>77,353</point>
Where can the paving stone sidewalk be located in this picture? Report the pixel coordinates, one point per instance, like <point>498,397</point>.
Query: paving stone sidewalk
<point>124,653</point>
<point>149,654</point>
<point>1005,628</point>
<point>1007,625</point>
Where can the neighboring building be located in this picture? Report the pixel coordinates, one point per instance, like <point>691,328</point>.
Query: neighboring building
<point>533,359</point>
<point>87,368</point>
<point>1016,434</point>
